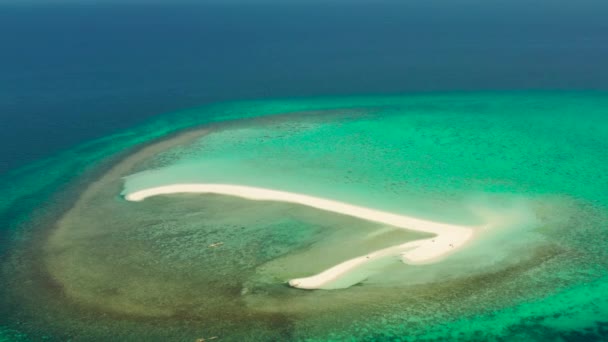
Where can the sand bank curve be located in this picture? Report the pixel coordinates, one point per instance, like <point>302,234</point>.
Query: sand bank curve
<point>448,237</point>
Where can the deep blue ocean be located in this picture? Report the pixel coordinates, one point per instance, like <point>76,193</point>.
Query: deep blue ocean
<point>71,71</point>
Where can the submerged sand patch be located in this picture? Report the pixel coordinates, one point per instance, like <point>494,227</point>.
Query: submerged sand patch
<point>154,259</point>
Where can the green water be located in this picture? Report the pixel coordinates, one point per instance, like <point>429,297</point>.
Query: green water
<point>535,164</point>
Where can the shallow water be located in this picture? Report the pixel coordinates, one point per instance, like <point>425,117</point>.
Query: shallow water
<point>533,164</point>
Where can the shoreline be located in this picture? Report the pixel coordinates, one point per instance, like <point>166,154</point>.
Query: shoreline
<point>448,237</point>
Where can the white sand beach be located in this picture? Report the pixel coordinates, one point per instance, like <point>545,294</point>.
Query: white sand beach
<point>448,237</point>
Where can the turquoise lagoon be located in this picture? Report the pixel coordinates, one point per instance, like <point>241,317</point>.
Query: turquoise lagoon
<point>82,263</point>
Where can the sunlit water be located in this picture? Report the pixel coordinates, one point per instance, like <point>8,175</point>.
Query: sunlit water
<point>84,263</point>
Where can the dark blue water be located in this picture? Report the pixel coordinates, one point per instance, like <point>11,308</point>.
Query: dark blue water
<point>72,71</point>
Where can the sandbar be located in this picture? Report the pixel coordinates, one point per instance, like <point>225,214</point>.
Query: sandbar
<point>448,237</point>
